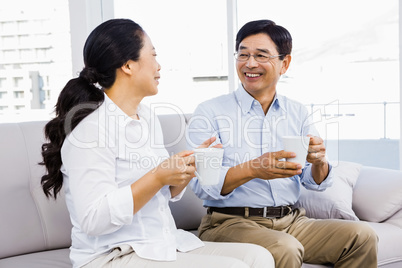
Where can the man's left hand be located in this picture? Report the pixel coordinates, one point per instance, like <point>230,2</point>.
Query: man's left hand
<point>316,151</point>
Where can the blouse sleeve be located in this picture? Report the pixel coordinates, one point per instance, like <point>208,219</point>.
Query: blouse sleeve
<point>100,206</point>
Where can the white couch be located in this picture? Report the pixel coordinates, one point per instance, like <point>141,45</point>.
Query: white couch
<point>35,231</point>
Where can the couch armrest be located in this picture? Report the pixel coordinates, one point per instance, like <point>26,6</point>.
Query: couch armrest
<point>377,195</point>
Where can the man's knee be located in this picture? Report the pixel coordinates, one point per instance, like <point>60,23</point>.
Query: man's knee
<point>365,234</point>
<point>286,249</point>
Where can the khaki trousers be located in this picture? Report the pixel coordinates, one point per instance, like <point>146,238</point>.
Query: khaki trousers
<point>295,239</point>
<point>212,255</point>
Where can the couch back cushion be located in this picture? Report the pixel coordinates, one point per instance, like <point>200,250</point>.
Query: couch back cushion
<point>29,221</point>
<point>377,195</point>
<point>174,132</point>
<point>189,210</point>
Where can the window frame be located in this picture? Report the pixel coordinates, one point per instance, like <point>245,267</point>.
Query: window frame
<point>85,15</point>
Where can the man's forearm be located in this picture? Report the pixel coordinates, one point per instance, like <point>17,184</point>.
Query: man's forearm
<point>320,172</point>
<point>235,177</point>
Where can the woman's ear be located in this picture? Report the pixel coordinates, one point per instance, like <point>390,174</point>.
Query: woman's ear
<point>127,68</point>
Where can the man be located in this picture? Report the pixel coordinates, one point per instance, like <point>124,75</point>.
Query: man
<point>257,189</point>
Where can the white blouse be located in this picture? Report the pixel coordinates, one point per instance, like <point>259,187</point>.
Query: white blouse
<point>102,157</point>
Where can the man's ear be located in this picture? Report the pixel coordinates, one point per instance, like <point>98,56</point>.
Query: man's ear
<point>285,64</point>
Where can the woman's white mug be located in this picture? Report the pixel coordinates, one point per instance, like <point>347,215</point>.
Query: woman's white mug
<point>208,162</point>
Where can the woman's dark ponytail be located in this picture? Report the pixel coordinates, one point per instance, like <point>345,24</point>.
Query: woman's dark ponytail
<point>77,91</point>
<point>108,47</point>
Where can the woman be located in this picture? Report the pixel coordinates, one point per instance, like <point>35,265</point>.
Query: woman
<point>103,149</point>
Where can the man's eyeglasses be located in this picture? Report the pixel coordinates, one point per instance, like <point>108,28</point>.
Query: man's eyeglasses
<point>262,58</point>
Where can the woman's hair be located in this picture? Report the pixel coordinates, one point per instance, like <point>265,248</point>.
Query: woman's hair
<point>279,35</point>
<point>107,48</point>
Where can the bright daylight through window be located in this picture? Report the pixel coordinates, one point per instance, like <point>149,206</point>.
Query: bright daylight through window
<point>345,59</point>
<point>35,57</point>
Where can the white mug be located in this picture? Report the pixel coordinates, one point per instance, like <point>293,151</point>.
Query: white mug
<point>208,162</point>
<point>298,145</point>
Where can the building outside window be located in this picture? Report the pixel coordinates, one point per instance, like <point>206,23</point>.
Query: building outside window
<point>34,38</point>
<point>345,61</point>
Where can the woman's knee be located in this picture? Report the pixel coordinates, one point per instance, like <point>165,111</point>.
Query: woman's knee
<point>230,262</point>
<point>257,256</point>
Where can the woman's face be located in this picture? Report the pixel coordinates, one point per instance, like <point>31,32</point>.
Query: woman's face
<point>146,77</point>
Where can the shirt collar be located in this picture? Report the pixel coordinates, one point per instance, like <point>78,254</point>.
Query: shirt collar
<point>245,100</point>
<point>279,102</point>
<point>113,110</point>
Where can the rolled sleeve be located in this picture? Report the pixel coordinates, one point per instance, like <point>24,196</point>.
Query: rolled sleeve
<point>121,206</point>
<point>211,192</point>
<point>177,197</point>
<point>308,181</point>
<point>98,204</point>
<point>200,128</point>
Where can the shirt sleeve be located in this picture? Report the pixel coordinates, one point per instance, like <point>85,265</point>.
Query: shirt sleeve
<point>100,206</point>
<point>177,197</point>
<point>308,181</point>
<point>306,177</point>
<point>200,128</point>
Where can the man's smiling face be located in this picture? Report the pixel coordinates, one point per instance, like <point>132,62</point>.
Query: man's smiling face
<point>257,77</point>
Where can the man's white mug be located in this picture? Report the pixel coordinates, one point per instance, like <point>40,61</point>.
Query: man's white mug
<point>298,145</point>
<point>208,162</point>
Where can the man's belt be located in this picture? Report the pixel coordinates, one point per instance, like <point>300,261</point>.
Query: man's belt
<point>266,212</point>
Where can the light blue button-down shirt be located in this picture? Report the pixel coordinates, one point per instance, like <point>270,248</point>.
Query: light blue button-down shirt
<point>238,121</point>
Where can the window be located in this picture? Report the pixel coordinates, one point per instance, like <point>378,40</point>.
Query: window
<point>19,94</point>
<point>190,38</point>
<point>345,69</point>
<point>345,60</point>
<point>18,81</point>
<point>35,42</point>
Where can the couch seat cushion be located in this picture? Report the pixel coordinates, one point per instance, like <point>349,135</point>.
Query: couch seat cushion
<point>389,245</point>
<point>46,259</point>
